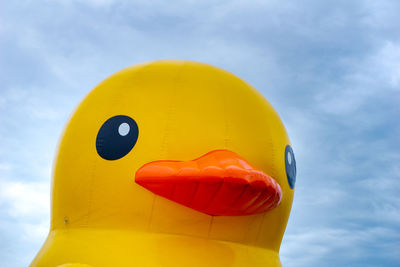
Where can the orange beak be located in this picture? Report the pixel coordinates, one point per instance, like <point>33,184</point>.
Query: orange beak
<point>218,183</point>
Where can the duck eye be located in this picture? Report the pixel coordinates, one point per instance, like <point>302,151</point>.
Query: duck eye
<point>116,137</point>
<point>290,165</point>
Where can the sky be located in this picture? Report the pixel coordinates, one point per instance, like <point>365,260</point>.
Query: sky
<point>330,68</point>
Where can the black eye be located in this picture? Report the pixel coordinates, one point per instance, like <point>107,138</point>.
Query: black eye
<point>290,165</point>
<point>116,137</point>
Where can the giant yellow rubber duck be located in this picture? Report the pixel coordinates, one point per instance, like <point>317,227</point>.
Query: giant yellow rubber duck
<point>171,163</point>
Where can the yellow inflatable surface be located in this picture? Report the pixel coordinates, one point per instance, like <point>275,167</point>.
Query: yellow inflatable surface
<point>171,163</point>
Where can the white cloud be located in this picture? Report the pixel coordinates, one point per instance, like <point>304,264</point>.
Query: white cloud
<point>5,166</point>
<point>308,247</point>
<point>381,68</point>
<point>377,74</point>
<point>35,231</point>
<point>24,220</point>
<point>25,200</point>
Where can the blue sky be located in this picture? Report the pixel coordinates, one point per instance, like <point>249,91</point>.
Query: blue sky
<point>330,68</point>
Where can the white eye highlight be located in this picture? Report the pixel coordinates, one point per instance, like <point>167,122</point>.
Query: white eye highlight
<point>123,129</point>
<point>289,158</point>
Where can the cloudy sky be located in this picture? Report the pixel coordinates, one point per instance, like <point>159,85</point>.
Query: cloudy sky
<point>330,68</point>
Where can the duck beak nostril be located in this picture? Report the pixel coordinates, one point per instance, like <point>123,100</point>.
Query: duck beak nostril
<point>218,183</point>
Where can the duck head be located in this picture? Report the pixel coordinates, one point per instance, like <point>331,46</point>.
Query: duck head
<point>171,163</point>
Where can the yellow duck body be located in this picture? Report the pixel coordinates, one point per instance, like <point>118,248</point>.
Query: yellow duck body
<point>183,109</point>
